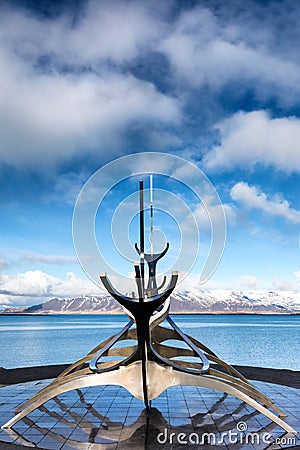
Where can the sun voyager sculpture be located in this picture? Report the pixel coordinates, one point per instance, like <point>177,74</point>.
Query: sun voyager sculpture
<point>146,365</point>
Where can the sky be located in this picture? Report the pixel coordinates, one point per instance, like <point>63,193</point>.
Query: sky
<point>83,83</point>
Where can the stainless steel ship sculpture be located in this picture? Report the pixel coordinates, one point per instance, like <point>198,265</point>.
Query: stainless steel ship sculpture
<point>147,366</point>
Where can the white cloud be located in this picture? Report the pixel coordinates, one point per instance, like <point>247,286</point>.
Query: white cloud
<point>251,197</point>
<point>50,118</point>
<point>36,286</point>
<point>2,262</point>
<point>102,33</point>
<point>192,281</point>
<point>249,282</point>
<point>254,138</point>
<point>34,258</point>
<point>281,285</point>
<point>206,50</point>
<point>78,93</point>
<point>287,285</point>
<point>82,102</point>
<point>67,187</point>
<point>244,283</point>
<point>204,216</point>
<point>215,213</point>
<point>297,275</point>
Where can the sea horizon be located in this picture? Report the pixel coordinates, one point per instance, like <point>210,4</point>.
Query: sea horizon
<point>259,340</point>
<point>173,314</point>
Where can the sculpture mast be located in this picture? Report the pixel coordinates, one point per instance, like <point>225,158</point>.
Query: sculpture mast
<point>151,215</point>
<point>142,238</point>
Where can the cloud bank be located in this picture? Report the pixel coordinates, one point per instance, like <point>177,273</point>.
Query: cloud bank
<point>37,286</point>
<point>158,73</point>
<point>67,95</point>
<point>254,138</point>
<point>252,198</point>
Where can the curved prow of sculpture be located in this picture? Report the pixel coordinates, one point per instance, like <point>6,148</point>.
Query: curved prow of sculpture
<point>134,306</point>
<point>152,260</point>
<point>155,256</point>
<point>163,283</point>
<point>122,299</point>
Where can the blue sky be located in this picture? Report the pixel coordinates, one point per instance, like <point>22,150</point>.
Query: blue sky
<point>83,83</point>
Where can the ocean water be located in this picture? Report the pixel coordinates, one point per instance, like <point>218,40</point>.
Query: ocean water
<point>262,341</point>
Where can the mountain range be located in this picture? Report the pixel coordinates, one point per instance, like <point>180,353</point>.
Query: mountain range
<point>191,301</point>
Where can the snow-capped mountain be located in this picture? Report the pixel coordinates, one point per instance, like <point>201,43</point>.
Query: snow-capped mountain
<point>227,301</point>
<point>189,301</point>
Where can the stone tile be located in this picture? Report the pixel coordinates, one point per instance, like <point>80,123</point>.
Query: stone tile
<point>4,437</point>
<point>50,444</point>
<point>62,431</point>
<point>179,421</point>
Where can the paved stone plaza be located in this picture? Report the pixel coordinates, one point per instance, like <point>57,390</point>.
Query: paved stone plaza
<point>108,417</point>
